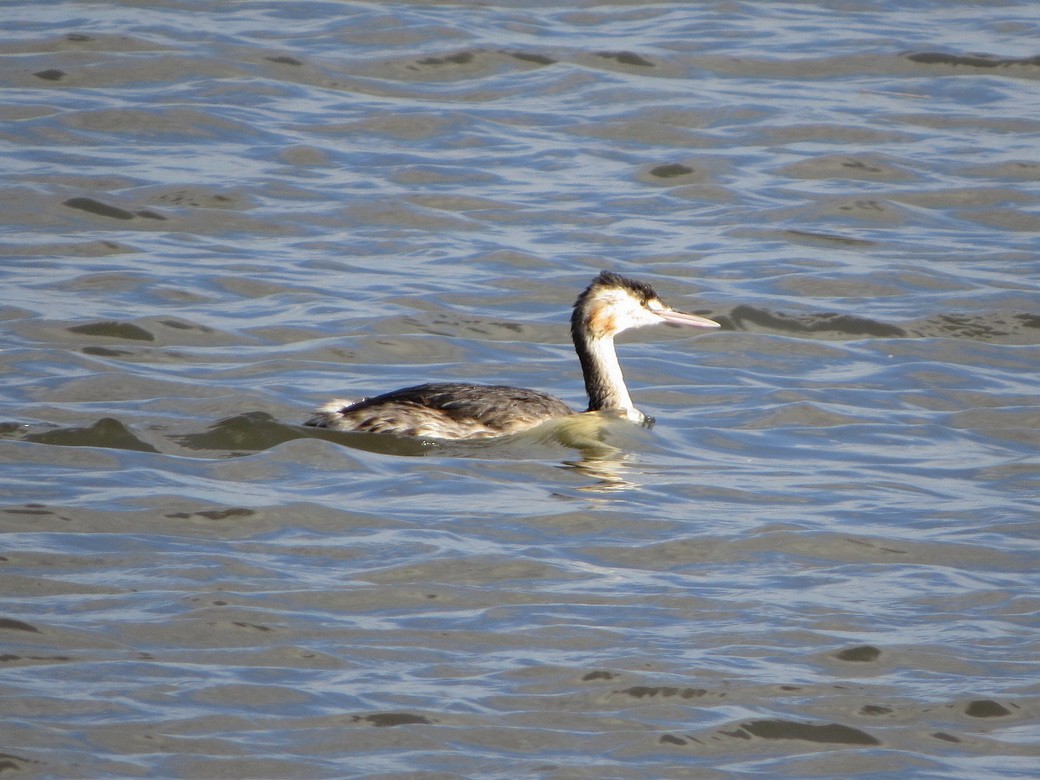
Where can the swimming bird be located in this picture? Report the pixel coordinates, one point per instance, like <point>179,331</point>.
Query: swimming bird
<point>609,305</point>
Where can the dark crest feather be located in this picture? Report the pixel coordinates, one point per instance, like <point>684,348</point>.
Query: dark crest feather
<point>641,290</point>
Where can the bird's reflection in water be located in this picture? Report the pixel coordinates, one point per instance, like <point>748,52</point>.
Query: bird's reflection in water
<point>607,471</point>
<point>605,441</point>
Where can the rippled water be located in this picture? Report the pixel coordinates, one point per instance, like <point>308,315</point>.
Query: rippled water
<point>822,561</point>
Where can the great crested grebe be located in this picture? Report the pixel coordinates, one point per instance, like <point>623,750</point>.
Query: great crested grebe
<point>608,306</point>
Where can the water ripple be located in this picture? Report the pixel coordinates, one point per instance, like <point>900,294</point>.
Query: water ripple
<point>820,560</point>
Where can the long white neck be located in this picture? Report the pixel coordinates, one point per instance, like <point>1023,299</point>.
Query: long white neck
<point>604,381</point>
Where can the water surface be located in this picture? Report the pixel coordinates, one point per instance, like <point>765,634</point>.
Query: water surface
<point>822,560</point>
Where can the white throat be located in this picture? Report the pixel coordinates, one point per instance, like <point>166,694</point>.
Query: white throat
<point>605,359</point>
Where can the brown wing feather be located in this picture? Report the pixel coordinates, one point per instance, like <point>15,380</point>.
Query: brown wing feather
<point>445,410</point>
